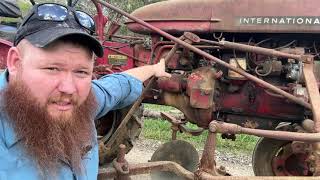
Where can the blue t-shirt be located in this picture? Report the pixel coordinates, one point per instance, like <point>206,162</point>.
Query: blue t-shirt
<point>112,92</point>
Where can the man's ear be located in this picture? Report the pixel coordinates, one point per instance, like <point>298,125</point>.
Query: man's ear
<point>13,61</point>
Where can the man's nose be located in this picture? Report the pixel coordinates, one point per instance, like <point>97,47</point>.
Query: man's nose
<point>67,84</point>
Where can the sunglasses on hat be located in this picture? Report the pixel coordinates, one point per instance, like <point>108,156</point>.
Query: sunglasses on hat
<point>60,13</point>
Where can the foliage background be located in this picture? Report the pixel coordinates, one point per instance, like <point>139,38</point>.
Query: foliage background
<point>127,5</point>
<point>87,6</point>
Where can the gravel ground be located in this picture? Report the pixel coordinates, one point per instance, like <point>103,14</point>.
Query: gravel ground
<point>236,165</point>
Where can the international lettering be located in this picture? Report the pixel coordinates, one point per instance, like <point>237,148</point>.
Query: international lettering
<point>313,20</point>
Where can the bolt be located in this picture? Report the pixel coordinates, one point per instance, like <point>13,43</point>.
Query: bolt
<point>218,74</point>
<point>206,92</point>
<point>125,167</point>
<point>312,169</point>
<point>122,146</point>
<point>191,38</point>
<point>312,158</point>
<point>213,128</point>
<point>222,168</point>
<point>280,168</point>
<point>309,59</point>
<point>122,153</point>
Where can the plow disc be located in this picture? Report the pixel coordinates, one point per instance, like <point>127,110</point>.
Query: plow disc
<point>177,151</point>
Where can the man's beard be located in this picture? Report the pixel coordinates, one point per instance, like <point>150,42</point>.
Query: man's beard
<point>50,140</point>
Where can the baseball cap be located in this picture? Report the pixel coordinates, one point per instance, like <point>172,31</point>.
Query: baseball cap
<point>49,22</point>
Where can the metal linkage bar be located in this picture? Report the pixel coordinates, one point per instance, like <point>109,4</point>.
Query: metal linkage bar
<point>206,176</point>
<point>208,162</point>
<point>258,50</point>
<point>223,127</point>
<point>313,91</point>
<point>314,96</point>
<point>147,168</point>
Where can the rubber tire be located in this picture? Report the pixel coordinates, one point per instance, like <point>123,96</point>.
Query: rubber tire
<point>263,154</point>
<point>126,137</point>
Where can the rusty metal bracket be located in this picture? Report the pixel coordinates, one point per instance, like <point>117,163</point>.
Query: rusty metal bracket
<point>120,163</point>
<point>122,168</point>
<point>177,125</point>
<point>208,162</point>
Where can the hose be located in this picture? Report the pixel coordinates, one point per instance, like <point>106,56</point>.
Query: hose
<point>263,75</point>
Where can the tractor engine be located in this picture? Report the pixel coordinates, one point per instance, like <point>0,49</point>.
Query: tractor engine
<point>204,90</point>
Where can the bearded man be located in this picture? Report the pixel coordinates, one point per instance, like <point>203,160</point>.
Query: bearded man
<point>49,101</point>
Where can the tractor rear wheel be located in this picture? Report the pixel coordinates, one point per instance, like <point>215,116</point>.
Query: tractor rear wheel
<point>128,136</point>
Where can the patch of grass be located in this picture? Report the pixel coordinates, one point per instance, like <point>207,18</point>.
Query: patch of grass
<point>159,129</point>
<point>24,8</point>
<point>155,107</point>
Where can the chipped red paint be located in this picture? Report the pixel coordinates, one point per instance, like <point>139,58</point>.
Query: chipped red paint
<point>4,48</point>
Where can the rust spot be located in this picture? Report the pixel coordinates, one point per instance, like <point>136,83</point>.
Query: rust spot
<point>250,124</point>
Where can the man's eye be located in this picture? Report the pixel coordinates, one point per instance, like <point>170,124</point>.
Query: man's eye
<point>82,72</point>
<point>52,68</point>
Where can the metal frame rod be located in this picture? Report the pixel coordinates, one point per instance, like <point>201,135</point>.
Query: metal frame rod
<point>206,176</point>
<point>313,91</point>
<point>253,49</point>
<point>223,127</point>
<point>147,168</point>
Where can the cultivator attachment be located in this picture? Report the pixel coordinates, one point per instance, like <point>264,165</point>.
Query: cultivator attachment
<point>178,159</point>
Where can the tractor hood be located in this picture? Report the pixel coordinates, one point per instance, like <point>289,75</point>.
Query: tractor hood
<point>207,16</point>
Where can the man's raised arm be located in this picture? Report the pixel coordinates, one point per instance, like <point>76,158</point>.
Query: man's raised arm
<point>118,90</point>
<point>145,72</point>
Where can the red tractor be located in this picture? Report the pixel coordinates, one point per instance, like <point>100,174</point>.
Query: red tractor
<point>7,30</point>
<point>244,66</point>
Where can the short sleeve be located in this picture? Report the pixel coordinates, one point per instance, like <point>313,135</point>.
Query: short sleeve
<point>115,91</point>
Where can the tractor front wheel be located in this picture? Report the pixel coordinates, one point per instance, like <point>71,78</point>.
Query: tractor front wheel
<point>273,157</point>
